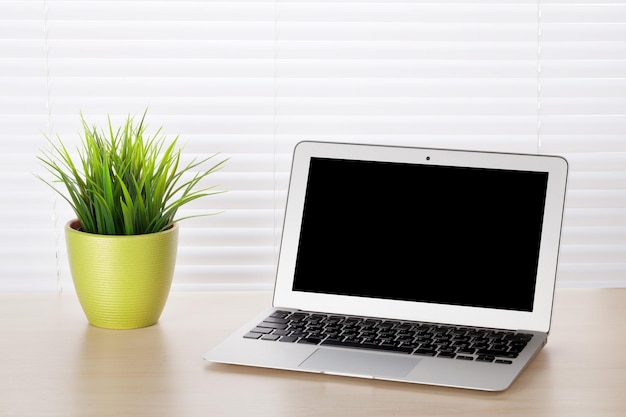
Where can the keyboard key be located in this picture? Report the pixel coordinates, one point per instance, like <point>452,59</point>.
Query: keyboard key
<point>425,352</point>
<point>280,314</point>
<point>271,325</point>
<point>272,319</point>
<point>310,340</point>
<point>262,330</point>
<point>339,343</point>
<point>497,353</point>
<point>288,339</point>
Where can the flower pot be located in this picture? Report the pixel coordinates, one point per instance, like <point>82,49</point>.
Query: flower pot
<point>122,282</point>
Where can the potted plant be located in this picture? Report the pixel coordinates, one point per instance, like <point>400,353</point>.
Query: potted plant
<point>125,188</point>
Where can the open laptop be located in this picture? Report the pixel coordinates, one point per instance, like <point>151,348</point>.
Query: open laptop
<point>408,264</point>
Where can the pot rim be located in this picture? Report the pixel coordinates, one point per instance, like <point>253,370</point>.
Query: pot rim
<point>74,226</point>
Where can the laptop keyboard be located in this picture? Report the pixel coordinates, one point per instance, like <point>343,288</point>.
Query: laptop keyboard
<point>426,339</point>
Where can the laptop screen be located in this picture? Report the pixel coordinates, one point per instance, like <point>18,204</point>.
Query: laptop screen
<point>426,233</point>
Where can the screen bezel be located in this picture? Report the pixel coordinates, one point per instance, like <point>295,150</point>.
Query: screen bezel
<point>536,320</point>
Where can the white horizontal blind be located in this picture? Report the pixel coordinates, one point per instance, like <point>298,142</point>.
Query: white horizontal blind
<point>583,117</point>
<point>204,70</point>
<point>414,72</point>
<point>251,79</point>
<point>29,238</point>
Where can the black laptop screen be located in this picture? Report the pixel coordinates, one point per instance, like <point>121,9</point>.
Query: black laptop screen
<point>426,233</point>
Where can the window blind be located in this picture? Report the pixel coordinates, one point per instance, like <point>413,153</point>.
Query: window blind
<point>29,238</point>
<point>582,116</point>
<point>250,79</point>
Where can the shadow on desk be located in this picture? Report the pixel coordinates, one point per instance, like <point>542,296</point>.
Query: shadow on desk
<point>124,370</point>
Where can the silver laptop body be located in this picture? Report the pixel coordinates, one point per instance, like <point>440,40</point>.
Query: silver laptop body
<point>459,246</point>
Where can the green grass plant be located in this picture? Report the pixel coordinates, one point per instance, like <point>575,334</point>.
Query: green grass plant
<point>125,182</point>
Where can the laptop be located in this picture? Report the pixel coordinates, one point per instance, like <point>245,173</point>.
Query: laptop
<point>427,266</point>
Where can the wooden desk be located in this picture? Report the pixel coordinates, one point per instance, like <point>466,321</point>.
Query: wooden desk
<point>55,364</point>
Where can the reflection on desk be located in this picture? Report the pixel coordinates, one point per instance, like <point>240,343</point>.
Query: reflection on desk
<point>55,364</point>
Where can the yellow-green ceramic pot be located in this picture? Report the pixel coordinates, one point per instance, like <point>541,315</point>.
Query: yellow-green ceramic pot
<point>122,282</point>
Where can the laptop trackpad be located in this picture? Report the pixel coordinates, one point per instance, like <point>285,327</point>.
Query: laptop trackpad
<point>357,362</point>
